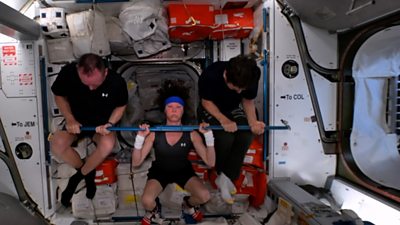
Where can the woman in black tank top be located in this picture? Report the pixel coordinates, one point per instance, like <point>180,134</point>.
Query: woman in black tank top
<point>171,164</point>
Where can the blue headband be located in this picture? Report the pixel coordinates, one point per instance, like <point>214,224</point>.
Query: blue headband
<point>174,99</point>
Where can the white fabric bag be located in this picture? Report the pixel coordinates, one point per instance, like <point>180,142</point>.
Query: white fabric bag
<point>157,42</point>
<point>118,39</point>
<point>139,19</point>
<point>53,23</point>
<point>60,50</point>
<point>88,33</point>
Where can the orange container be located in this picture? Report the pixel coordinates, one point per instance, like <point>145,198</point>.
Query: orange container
<point>254,155</point>
<point>193,156</point>
<point>201,171</point>
<point>252,181</point>
<point>189,23</point>
<point>106,172</point>
<point>232,23</point>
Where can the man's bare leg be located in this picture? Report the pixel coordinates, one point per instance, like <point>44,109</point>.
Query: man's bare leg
<point>105,144</point>
<point>61,147</point>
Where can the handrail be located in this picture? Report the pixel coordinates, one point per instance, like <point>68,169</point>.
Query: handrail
<point>164,128</point>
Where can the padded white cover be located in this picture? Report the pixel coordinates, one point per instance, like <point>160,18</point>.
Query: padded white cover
<point>157,42</point>
<point>139,19</point>
<point>60,50</point>
<point>88,33</point>
<point>373,146</point>
<point>118,39</point>
<point>53,23</point>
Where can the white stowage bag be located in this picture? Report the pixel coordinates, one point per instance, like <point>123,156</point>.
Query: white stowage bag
<point>88,33</point>
<point>52,22</point>
<point>157,42</point>
<point>119,40</point>
<point>60,50</point>
<point>139,19</point>
<point>103,204</point>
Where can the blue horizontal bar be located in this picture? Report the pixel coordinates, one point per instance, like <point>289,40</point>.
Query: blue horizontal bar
<point>181,128</point>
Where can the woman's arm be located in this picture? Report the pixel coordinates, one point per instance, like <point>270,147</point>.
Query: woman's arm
<point>143,143</point>
<point>206,152</point>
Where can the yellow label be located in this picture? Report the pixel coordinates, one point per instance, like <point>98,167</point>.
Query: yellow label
<point>282,202</point>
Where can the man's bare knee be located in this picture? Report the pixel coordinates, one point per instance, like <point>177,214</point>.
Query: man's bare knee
<point>105,149</point>
<point>105,145</point>
<point>60,143</point>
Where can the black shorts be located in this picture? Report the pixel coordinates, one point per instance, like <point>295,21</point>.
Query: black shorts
<point>181,177</point>
<point>81,135</point>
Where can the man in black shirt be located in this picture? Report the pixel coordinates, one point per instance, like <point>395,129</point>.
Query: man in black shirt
<point>87,94</point>
<point>227,91</point>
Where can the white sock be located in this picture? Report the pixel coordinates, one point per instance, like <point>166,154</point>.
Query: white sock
<point>226,187</point>
<point>230,185</point>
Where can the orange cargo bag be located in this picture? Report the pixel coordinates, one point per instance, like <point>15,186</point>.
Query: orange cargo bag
<point>232,23</point>
<point>188,23</point>
<point>106,172</point>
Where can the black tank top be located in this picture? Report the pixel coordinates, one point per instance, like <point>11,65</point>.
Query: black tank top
<point>171,158</point>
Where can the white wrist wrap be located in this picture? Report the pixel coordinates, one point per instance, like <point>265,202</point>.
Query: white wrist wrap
<point>209,138</point>
<point>139,140</point>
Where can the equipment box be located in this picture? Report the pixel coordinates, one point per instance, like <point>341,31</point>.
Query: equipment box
<point>189,23</point>
<point>232,23</point>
